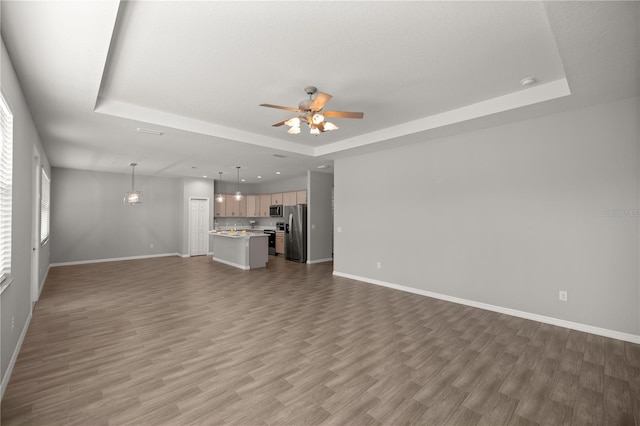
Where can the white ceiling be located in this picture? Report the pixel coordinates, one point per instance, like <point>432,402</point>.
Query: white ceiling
<point>94,72</point>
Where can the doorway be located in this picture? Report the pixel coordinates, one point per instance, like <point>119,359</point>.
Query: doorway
<point>198,226</point>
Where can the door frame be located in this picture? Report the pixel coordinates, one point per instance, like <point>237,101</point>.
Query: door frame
<point>35,227</point>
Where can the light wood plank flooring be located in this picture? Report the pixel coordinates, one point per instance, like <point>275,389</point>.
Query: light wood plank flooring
<point>177,341</point>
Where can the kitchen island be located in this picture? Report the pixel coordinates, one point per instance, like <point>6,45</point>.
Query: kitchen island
<point>248,250</point>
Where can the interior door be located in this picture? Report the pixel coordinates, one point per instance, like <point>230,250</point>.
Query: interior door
<point>198,227</point>
<point>35,230</point>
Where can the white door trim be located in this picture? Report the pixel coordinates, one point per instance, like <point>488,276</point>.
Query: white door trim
<point>35,228</point>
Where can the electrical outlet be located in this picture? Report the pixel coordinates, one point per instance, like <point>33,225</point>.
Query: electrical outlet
<point>563,296</point>
<point>339,229</point>
<point>13,323</point>
<point>150,245</point>
<point>379,265</point>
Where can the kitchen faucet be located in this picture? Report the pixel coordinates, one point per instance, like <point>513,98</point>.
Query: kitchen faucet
<point>238,222</point>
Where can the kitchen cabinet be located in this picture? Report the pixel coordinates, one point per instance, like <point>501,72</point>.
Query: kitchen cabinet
<point>220,207</point>
<point>301,197</point>
<point>289,199</point>
<point>279,242</point>
<point>276,198</point>
<point>235,208</point>
<point>265,203</point>
<point>253,205</point>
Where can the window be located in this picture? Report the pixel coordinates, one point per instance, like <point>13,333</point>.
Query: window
<point>44,208</point>
<point>6,174</point>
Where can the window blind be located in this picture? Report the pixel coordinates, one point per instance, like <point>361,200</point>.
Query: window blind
<point>6,174</point>
<point>44,207</point>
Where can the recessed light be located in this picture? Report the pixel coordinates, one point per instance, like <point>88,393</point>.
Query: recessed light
<point>150,131</point>
<point>277,173</point>
<point>243,180</point>
<point>323,166</point>
<point>204,175</point>
<point>528,81</point>
<point>259,177</point>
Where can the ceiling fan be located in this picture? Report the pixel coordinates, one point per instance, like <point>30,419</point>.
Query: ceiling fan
<point>312,113</point>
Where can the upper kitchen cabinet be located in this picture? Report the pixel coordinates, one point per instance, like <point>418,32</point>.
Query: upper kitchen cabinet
<point>253,205</point>
<point>220,207</point>
<point>289,199</point>
<point>276,199</point>
<point>294,197</point>
<point>265,203</point>
<point>235,208</point>
<point>301,197</point>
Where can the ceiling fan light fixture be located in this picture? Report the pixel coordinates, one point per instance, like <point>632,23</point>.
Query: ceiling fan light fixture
<point>313,113</point>
<point>317,118</point>
<point>293,122</point>
<point>330,126</point>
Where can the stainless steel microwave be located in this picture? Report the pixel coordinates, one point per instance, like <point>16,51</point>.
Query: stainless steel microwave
<point>275,210</point>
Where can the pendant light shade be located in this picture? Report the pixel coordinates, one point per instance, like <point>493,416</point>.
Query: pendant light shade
<point>238,195</point>
<point>133,197</point>
<point>220,197</point>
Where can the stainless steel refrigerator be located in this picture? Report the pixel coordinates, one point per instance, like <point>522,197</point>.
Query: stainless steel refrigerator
<point>295,233</point>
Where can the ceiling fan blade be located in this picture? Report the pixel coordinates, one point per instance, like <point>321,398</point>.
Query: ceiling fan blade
<point>318,103</point>
<point>343,114</point>
<point>278,124</point>
<point>320,127</point>
<point>281,107</point>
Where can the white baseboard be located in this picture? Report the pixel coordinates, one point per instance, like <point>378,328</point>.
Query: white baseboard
<point>115,259</point>
<point>237,265</point>
<point>14,358</point>
<point>330,259</point>
<point>44,279</point>
<point>502,310</point>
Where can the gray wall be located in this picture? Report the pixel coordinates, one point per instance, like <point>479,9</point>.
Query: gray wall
<point>15,300</point>
<point>320,216</point>
<point>506,216</point>
<point>89,220</point>
<point>297,183</point>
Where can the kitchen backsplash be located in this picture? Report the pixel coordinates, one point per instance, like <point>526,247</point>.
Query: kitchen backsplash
<point>260,221</point>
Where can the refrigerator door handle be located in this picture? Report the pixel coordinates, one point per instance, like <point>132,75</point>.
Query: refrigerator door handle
<point>290,222</point>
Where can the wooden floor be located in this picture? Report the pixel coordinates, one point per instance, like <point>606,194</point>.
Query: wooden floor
<point>188,341</point>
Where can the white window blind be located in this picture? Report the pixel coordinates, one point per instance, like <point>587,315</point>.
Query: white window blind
<point>44,207</point>
<point>6,174</point>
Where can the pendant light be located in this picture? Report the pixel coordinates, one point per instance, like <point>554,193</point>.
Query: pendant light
<point>220,197</point>
<point>238,195</point>
<point>133,197</point>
